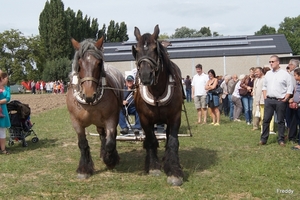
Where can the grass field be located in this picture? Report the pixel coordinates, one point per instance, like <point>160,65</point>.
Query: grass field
<point>222,162</point>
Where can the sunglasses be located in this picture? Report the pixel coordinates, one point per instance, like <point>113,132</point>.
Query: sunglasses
<point>272,61</point>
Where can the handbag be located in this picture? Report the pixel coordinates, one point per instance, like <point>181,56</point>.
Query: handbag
<point>243,91</point>
<point>257,112</point>
<point>217,91</point>
<point>293,105</point>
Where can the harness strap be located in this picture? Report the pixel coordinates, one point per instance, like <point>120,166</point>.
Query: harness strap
<point>89,79</point>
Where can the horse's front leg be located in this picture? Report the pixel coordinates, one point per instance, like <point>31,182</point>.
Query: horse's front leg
<point>152,164</point>
<point>86,164</point>
<point>172,166</point>
<point>108,151</point>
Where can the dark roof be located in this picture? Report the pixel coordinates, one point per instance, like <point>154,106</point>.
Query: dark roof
<point>208,47</point>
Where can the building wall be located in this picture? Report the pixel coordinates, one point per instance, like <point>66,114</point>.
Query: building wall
<point>222,65</point>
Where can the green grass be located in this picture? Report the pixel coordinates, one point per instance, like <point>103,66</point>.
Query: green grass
<point>222,162</point>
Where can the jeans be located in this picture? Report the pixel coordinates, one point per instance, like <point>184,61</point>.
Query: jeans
<point>294,123</point>
<point>130,111</point>
<point>279,107</point>
<point>247,104</point>
<point>188,95</point>
<point>230,106</point>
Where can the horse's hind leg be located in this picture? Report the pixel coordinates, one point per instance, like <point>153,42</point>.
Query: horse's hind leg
<point>171,159</point>
<point>152,165</point>
<point>108,151</point>
<point>86,164</point>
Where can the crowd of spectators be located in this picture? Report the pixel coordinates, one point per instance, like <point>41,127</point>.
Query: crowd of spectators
<point>259,98</point>
<point>41,87</point>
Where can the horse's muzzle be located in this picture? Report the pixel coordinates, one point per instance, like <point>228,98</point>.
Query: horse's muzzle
<point>89,99</point>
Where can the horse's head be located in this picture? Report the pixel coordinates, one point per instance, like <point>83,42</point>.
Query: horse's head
<point>88,65</point>
<point>147,56</point>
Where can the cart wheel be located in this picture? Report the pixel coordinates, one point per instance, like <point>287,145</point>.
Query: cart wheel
<point>24,144</point>
<point>35,140</point>
<point>11,143</point>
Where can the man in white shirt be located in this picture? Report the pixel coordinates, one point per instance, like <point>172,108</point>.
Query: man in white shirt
<point>277,89</point>
<point>199,93</point>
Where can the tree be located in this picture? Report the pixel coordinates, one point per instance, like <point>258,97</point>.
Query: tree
<point>185,32</point>
<point>204,32</point>
<point>102,32</point>
<point>53,30</point>
<point>266,30</point>
<point>164,36</point>
<point>116,32</point>
<point>290,27</point>
<point>57,69</point>
<point>13,54</point>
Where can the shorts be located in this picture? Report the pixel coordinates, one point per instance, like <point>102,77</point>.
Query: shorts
<point>200,101</point>
<point>2,133</point>
<point>212,101</point>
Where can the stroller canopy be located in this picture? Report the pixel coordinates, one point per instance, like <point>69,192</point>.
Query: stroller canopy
<point>22,109</point>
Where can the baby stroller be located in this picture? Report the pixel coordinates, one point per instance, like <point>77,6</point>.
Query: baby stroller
<point>21,126</point>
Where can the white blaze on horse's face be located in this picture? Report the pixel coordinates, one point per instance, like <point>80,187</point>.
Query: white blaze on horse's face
<point>89,58</point>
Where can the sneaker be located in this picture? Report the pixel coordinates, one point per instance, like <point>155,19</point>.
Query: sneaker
<point>237,120</point>
<point>248,123</point>
<point>272,133</point>
<point>136,131</point>
<point>124,131</point>
<point>216,124</point>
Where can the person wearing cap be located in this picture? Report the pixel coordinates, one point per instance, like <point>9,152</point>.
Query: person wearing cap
<point>129,108</point>
<point>277,89</point>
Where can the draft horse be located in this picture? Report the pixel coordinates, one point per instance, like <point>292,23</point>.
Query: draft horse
<point>158,99</point>
<point>89,101</point>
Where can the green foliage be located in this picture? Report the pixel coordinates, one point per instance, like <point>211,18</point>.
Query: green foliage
<point>57,69</point>
<point>54,31</point>
<point>290,27</point>
<point>164,36</point>
<point>116,32</point>
<point>185,32</point>
<point>20,55</point>
<point>266,30</point>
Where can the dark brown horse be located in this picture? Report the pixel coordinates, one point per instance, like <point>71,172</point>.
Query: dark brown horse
<point>94,96</point>
<point>158,99</point>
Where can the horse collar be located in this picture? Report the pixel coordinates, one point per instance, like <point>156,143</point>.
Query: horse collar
<point>77,90</point>
<point>162,100</point>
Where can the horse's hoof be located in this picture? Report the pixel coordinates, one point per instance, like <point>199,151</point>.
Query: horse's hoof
<point>175,181</point>
<point>155,172</point>
<point>83,176</point>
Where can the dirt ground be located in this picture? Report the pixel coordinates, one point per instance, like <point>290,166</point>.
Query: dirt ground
<point>41,102</point>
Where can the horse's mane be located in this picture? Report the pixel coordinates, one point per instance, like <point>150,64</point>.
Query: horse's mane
<point>86,46</point>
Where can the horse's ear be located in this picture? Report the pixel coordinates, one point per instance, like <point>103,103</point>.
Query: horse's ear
<point>156,32</point>
<point>137,33</point>
<point>75,44</point>
<point>99,43</point>
<point>133,50</point>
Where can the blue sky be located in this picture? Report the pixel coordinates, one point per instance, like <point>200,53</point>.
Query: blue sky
<point>233,17</point>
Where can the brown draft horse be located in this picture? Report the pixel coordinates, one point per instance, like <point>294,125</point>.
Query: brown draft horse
<point>94,97</point>
<point>158,99</point>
